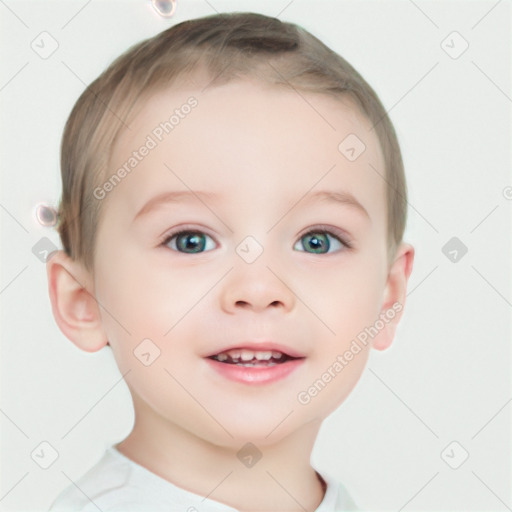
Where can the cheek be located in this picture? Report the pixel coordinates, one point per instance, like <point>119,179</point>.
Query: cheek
<point>131,291</point>
<point>350,298</point>
<point>331,381</point>
<point>143,302</point>
<point>349,304</point>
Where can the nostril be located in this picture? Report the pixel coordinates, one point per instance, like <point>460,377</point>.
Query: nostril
<point>244,304</point>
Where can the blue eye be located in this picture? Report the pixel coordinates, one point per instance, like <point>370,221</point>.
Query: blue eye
<point>316,241</point>
<point>189,242</point>
<point>319,242</point>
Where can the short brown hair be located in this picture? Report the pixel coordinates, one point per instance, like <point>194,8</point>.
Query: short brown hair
<point>227,46</point>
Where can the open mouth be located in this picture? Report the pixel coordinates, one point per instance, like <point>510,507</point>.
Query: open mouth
<point>251,358</point>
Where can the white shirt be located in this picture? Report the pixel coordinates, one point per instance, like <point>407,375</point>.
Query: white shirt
<point>118,484</point>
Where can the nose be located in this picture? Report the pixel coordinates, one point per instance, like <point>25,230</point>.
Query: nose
<point>256,288</point>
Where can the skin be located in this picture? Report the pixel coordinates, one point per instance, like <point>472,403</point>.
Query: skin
<point>261,149</point>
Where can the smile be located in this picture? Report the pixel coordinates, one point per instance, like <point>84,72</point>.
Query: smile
<point>250,358</point>
<point>254,366</point>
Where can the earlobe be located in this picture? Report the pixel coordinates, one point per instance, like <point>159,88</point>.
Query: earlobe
<point>74,307</point>
<point>394,296</point>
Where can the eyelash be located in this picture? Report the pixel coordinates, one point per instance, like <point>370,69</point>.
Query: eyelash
<point>343,239</point>
<point>317,229</point>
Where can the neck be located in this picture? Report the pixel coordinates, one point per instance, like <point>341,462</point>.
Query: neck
<point>282,479</point>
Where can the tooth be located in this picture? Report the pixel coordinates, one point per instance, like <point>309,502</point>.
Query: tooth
<point>263,356</point>
<point>247,355</point>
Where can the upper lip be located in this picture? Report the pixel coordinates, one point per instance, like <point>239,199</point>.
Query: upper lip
<point>264,346</point>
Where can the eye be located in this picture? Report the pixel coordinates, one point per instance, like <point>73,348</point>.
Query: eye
<point>187,241</point>
<point>315,241</point>
<point>319,241</point>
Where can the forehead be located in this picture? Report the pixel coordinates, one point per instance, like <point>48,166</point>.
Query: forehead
<point>248,138</point>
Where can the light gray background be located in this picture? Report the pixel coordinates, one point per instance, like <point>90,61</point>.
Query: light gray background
<point>447,376</point>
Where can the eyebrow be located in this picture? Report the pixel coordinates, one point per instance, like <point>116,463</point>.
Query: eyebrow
<point>172,197</point>
<point>341,197</point>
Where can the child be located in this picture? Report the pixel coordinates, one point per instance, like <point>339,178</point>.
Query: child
<point>232,216</point>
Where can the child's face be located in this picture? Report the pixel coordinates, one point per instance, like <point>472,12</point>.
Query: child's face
<point>262,154</point>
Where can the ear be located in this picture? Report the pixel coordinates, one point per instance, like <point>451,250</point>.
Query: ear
<point>74,306</point>
<point>394,295</point>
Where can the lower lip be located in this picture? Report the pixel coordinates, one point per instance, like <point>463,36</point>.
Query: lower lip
<point>255,374</point>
